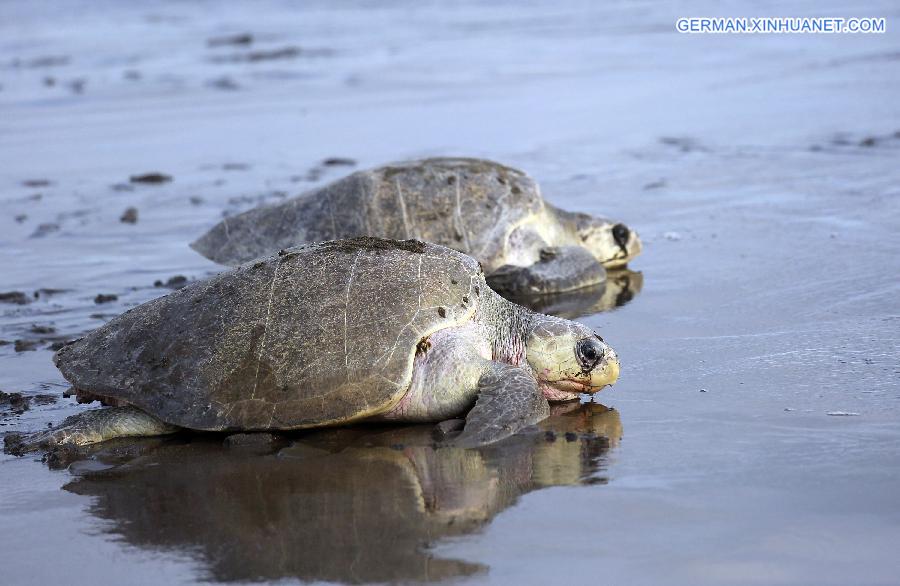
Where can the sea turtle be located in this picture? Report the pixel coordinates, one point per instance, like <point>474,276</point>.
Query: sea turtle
<point>325,334</point>
<point>487,210</point>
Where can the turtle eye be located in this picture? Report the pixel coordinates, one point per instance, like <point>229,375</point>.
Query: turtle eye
<point>589,352</point>
<point>620,234</point>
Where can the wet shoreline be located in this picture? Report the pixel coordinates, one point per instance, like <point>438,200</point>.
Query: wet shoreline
<point>758,399</point>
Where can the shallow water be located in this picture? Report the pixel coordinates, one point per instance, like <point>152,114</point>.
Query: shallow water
<point>761,172</point>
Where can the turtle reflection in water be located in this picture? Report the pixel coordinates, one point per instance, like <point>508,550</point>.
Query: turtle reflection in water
<point>620,287</point>
<point>360,504</point>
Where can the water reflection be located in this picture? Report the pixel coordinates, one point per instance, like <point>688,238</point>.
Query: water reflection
<point>620,287</point>
<point>346,505</point>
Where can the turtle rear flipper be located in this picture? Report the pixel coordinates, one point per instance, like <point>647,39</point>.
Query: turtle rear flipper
<point>559,269</point>
<point>90,427</point>
<point>508,400</point>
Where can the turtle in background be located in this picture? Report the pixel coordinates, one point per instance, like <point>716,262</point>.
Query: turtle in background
<point>491,212</point>
<point>327,334</point>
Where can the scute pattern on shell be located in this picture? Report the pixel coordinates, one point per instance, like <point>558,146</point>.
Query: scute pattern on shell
<point>316,334</point>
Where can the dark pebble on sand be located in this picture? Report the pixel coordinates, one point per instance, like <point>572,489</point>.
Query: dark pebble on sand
<point>129,216</point>
<point>36,329</point>
<point>571,436</point>
<point>224,83</point>
<point>20,218</point>
<point>25,345</point>
<point>685,144</point>
<point>44,229</point>
<point>151,178</point>
<point>18,403</point>
<point>43,399</point>
<point>103,298</point>
<point>176,282</point>
<point>241,39</point>
<point>36,183</point>
<point>43,61</point>
<point>550,436</point>
<point>339,162</point>
<point>48,291</point>
<point>12,444</point>
<point>16,297</point>
<point>257,56</point>
<point>15,402</point>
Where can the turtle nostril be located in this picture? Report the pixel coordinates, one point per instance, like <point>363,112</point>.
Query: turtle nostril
<point>620,234</point>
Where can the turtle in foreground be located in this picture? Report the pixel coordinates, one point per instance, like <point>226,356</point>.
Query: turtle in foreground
<point>326,334</point>
<point>491,212</point>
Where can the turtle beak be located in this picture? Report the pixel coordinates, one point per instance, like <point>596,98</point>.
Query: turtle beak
<point>599,363</point>
<point>606,371</point>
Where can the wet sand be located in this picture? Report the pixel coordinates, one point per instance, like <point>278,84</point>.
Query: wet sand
<point>759,400</point>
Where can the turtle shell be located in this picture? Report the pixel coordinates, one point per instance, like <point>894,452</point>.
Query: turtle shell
<point>470,205</point>
<point>315,335</point>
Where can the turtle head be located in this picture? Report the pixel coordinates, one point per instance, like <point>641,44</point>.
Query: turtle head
<point>569,359</point>
<point>612,243</point>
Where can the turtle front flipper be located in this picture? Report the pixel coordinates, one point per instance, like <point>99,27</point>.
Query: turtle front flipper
<point>90,427</point>
<point>508,400</point>
<point>559,269</point>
